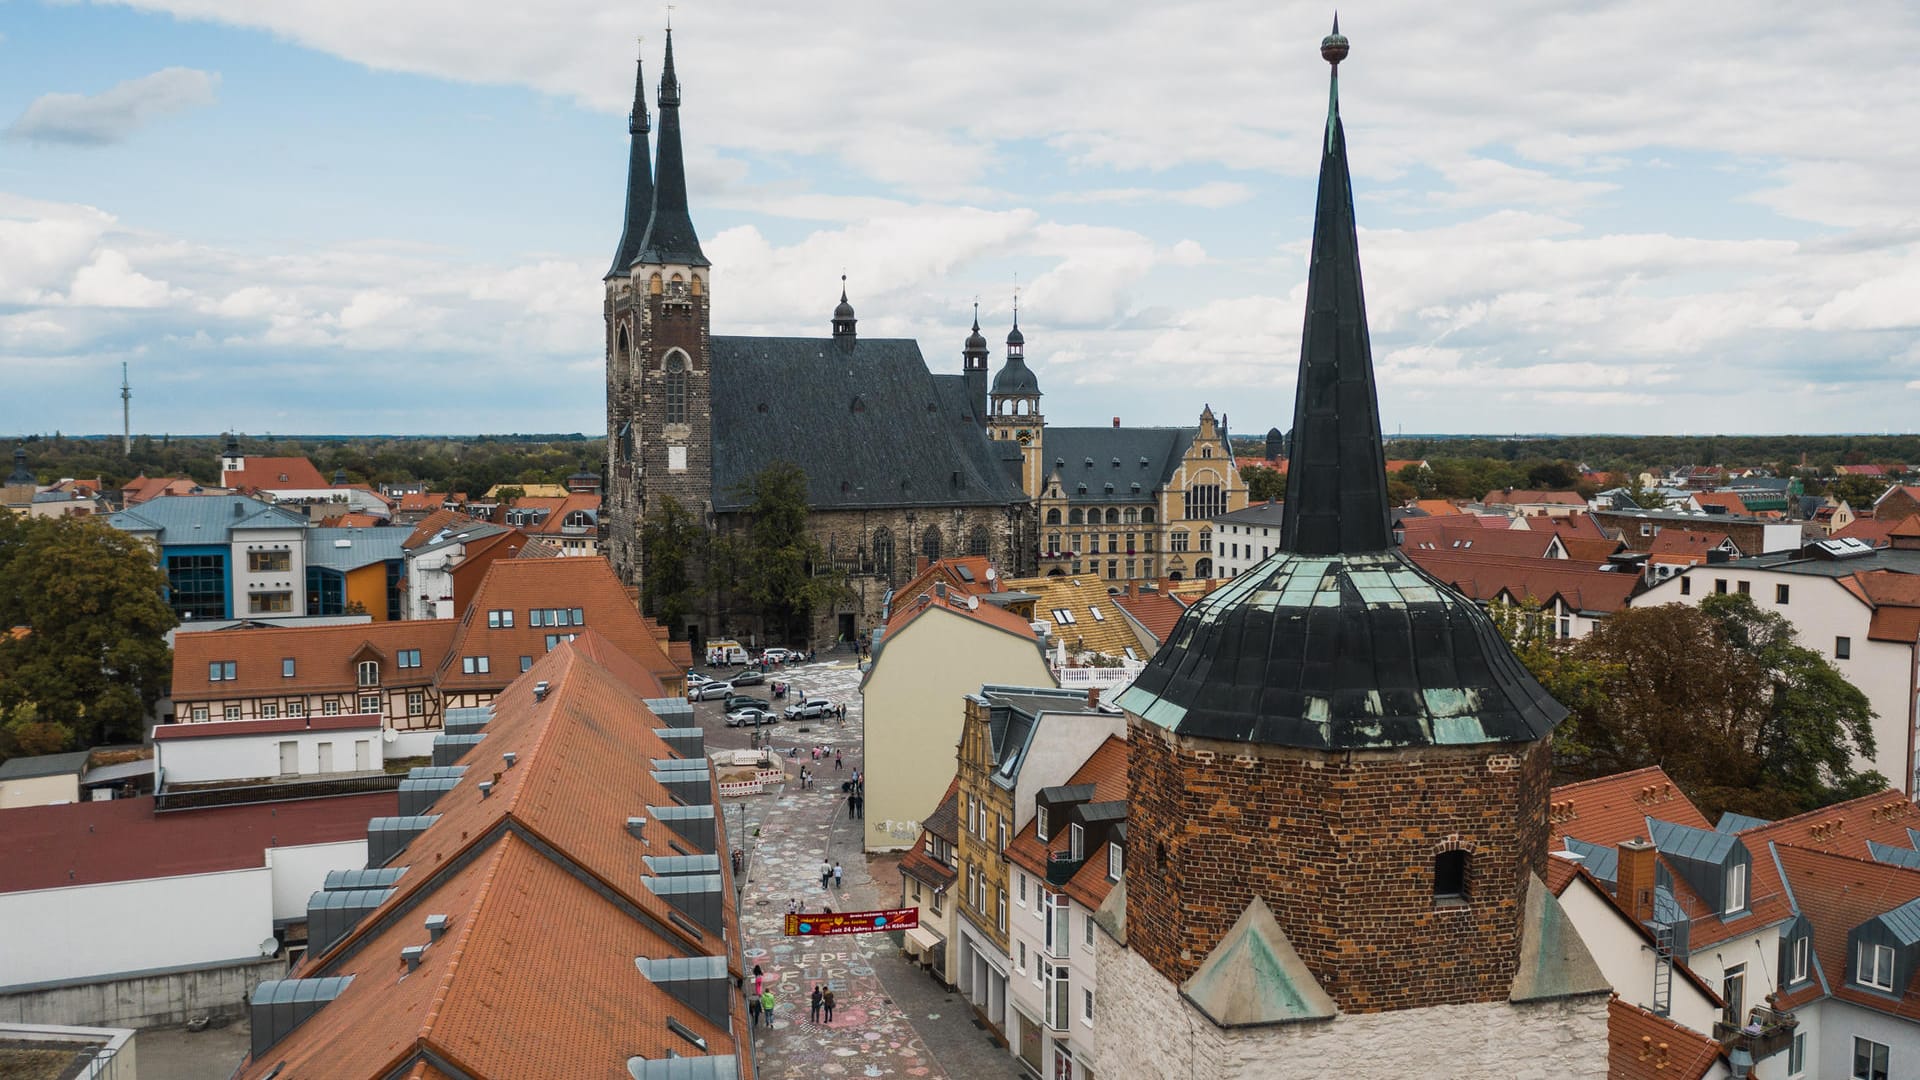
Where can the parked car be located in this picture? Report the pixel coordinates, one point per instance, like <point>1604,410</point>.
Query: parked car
<point>694,679</point>
<point>742,701</point>
<point>778,656</point>
<point>748,678</point>
<point>810,709</point>
<point>750,716</point>
<point>709,691</point>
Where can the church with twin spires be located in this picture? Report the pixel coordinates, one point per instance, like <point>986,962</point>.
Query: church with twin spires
<point>901,462</point>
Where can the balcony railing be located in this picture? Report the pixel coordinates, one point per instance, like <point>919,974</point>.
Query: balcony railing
<point>1767,1032</point>
<point>1061,867</point>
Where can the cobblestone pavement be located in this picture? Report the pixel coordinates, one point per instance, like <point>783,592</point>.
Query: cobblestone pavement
<point>890,1019</point>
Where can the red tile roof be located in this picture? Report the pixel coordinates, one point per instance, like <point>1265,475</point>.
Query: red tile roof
<point>86,843</point>
<point>908,607</point>
<point>1447,534</point>
<point>228,728</point>
<point>435,523</point>
<point>1610,809</point>
<point>1517,497</point>
<point>1731,501</point>
<point>523,585</point>
<point>1870,530</point>
<point>1106,770</point>
<point>1157,611</point>
<point>325,658</point>
<point>353,520</point>
<point>142,488</point>
<point>274,474</point>
<point>1643,1046</point>
<point>1837,893</point>
<point>1438,507</point>
<point>1489,576</point>
<point>548,902</point>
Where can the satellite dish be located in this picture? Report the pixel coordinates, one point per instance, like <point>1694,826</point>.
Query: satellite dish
<point>388,735</point>
<point>973,603</point>
<point>269,946</point>
<point>990,574</point>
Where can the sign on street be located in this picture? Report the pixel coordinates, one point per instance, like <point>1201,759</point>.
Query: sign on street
<point>852,922</point>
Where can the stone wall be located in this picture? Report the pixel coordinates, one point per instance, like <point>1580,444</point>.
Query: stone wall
<point>1146,1029</point>
<point>1342,847</point>
<point>143,1001</point>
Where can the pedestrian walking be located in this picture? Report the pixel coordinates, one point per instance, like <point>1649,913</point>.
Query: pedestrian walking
<point>766,1007</point>
<point>836,761</point>
<point>837,877</point>
<point>759,979</point>
<point>826,873</point>
<point>814,1013</point>
<point>753,1010</point>
<point>826,1004</point>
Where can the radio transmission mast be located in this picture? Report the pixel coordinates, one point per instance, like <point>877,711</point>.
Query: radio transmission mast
<point>126,412</point>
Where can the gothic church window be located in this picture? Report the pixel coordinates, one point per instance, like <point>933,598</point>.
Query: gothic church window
<point>978,542</point>
<point>930,543</point>
<point>622,361</point>
<point>883,552</point>
<point>656,284</point>
<point>676,387</point>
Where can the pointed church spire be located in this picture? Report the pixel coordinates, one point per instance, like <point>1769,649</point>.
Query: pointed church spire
<point>1336,474</point>
<point>670,235</point>
<point>639,177</point>
<point>843,320</point>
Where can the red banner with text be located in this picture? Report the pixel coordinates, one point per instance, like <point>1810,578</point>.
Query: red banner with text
<point>852,922</point>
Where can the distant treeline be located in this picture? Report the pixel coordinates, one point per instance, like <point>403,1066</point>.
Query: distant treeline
<point>443,463</point>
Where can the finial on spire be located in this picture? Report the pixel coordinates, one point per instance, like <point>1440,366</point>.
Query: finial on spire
<point>843,286</point>
<point>1333,47</point>
<point>976,314</point>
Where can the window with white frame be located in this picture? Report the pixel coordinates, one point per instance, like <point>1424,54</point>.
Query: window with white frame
<point>408,658</point>
<point>296,708</point>
<point>1797,1055</point>
<point>1874,966</point>
<point>1736,888</point>
<point>1116,860</point>
<point>1797,964</point>
<point>286,668</point>
<point>1040,823</point>
<point>1076,842</point>
<point>500,619</point>
<point>1086,929</point>
<point>475,665</point>
<point>1058,930</point>
<point>1021,965</point>
<point>1870,1059</point>
<point>1021,896</point>
<point>330,707</point>
<point>221,671</point>
<point>270,710</point>
<point>1000,910</point>
<point>199,713</point>
<point>368,673</point>
<point>1059,996</point>
<point>231,712</point>
<point>416,703</point>
<point>369,704</point>
<point>1086,1006</point>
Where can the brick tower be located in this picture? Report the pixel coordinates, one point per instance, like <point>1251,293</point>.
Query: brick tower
<point>659,386</point>
<point>1339,771</point>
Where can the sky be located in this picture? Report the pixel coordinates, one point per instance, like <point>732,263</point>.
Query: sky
<point>350,216</point>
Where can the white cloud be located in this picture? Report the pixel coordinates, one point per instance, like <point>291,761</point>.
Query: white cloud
<point>115,114</point>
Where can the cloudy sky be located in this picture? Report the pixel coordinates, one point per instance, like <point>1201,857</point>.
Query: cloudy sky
<point>381,216</point>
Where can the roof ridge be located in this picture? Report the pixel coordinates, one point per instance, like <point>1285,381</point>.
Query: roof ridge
<point>1882,796</point>
<point>1613,777</point>
<point>461,936</point>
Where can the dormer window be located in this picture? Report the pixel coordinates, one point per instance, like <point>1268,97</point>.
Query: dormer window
<point>1040,823</point>
<point>1798,955</point>
<point>1736,893</point>
<point>1116,860</point>
<point>1874,966</point>
<point>1076,842</point>
<point>369,673</point>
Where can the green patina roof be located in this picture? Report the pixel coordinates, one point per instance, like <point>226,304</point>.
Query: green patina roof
<point>1254,977</point>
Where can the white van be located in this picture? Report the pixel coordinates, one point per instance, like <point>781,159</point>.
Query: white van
<point>725,653</point>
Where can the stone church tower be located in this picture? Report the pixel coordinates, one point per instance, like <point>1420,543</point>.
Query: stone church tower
<point>659,369</point>
<point>1338,780</point>
<point>1013,408</point>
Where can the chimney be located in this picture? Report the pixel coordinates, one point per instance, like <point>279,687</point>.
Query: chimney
<point>510,758</point>
<point>1634,880</point>
<point>636,828</point>
<point>540,690</point>
<point>1116,421</point>
<point>1093,697</point>
<point>919,564</point>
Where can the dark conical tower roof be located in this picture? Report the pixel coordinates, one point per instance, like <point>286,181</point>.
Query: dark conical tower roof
<point>670,234</point>
<point>1338,641</point>
<point>21,474</point>
<point>639,179</point>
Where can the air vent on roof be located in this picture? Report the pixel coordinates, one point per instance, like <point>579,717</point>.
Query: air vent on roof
<point>418,796</point>
<point>1143,463</point>
<point>698,981</point>
<point>636,828</point>
<point>1083,490</point>
<point>436,927</point>
<point>449,749</point>
<point>388,836</point>
<point>412,955</point>
<point>688,742</point>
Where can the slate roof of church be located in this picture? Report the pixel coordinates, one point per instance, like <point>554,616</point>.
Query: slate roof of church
<point>865,419</point>
<point>1086,455</point>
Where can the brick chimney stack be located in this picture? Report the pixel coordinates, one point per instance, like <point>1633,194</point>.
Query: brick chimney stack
<point>1093,697</point>
<point>1634,880</point>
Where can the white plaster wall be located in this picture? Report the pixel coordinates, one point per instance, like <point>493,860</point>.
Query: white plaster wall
<point>408,744</point>
<point>1830,1047</point>
<point>913,707</point>
<point>1821,610</point>
<point>1252,540</point>
<point>428,576</point>
<point>40,791</point>
<point>1626,959</point>
<point>246,757</point>
<point>88,931</point>
<point>1147,1029</point>
<point>292,580</point>
<point>1061,743</point>
<point>299,872</point>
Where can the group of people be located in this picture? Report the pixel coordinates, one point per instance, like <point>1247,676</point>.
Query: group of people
<point>830,872</point>
<point>856,789</point>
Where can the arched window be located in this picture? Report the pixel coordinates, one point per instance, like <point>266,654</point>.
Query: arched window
<point>1146,516</point>
<point>979,541</point>
<point>622,362</point>
<point>930,543</point>
<point>1053,516</point>
<point>655,284</point>
<point>369,673</point>
<point>1132,516</point>
<point>1450,876</point>
<point>883,552</point>
<point>1205,502</point>
<point>676,366</point>
<point>1203,568</point>
<point>697,285</point>
<point>1206,539</point>
<point>1075,517</point>
<point>1113,516</point>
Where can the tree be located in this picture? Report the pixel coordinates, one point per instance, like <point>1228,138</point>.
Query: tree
<point>1858,492</point>
<point>1720,696</point>
<point>670,543</point>
<point>1552,475</point>
<point>90,657</point>
<point>1644,496</point>
<point>781,563</point>
<point>1264,483</point>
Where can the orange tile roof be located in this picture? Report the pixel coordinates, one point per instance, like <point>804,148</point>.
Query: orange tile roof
<point>1442,534</point>
<point>1590,550</point>
<point>1518,497</point>
<point>1643,1046</point>
<point>1487,576</point>
<point>432,525</point>
<point>143,489</point>
<point>422,500</point>
<point>1870,530</point>
<point>548,902</point>
<point>1157,611</point>
<point>1687,542</point>
<point>1837,893</point>
<point>908,608</point>
<point>274,474</point>
<point>352,520</point>
<point>522,585</point>
<point>1438,507</point>
<point>949,571</point>
<point>325,658</point>
<point>1733,503</point>
<point>1106,770</point>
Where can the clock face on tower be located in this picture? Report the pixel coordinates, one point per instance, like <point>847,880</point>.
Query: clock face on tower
<point>1023,435</point>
